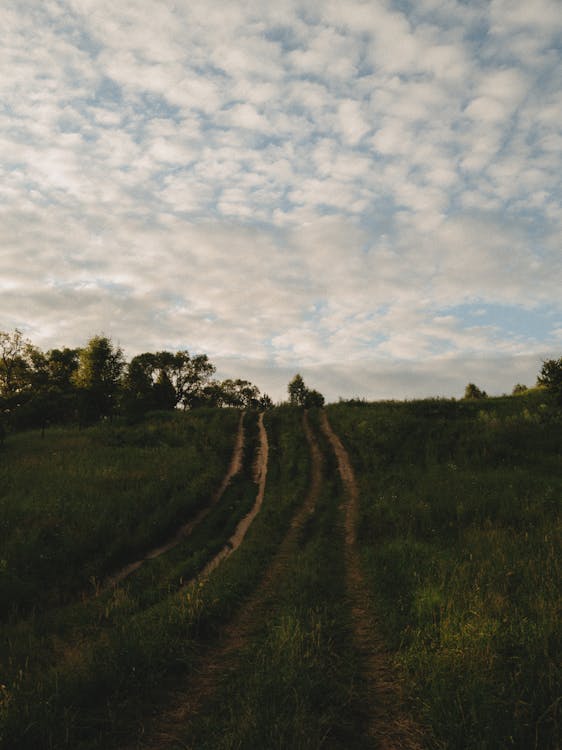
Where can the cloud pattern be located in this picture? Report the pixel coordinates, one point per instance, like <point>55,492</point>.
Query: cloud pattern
<point>365,191</point>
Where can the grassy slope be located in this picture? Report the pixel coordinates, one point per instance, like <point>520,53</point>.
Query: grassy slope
<point>76,505</point>
<point>461,538</point>
<point>59,660</point>
<point>297,684</point>
<point>96,667</point>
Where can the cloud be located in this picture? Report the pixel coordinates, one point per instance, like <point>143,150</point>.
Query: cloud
<point>284,187</point>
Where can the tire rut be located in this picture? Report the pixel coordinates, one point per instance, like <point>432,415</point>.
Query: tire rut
<point>260,477</point>
<point>236,635</point>
<point>388,723</point>
<point>186,529</point>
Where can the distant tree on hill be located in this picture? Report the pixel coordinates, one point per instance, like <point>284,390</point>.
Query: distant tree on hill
<point>313,398</point>
<point>265,402</point>
<point>550,377</point>
<point>473,392</point>
<point>239,393</point>
<point>188,375</point>
<point>518,389</point>
<point>300,395</point>
<point>297,391</point>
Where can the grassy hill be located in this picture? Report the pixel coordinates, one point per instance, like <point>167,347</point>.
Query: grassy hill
<point>458,534</point>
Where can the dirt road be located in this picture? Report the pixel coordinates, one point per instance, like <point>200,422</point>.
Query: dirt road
<point>389,724</point>
<point>171,726</point>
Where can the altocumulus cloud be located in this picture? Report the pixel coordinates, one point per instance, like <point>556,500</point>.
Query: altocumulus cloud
<point>368,192</point>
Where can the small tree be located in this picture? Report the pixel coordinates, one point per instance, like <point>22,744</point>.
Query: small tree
<point>313,398</point>
<point>550,377</point>
<point>300,395</point>
<point>473,392</point>
<point>297,391</point>
<point>265,402</point>
<point>518,389</point>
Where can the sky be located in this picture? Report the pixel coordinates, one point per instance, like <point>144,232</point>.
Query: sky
<point>367,193</point>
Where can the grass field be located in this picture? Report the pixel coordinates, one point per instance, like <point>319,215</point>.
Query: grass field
<point>459,538</point>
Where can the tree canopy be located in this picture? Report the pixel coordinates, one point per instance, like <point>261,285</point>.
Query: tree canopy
<point>95,382</point>
<point>550,377</point>
<point>300,395</point>
<point>473,392</point>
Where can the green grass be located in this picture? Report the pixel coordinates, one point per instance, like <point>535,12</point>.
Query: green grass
<point>78,504</point>
<point>460,534</point>
<point>96,668</point>
<point>297,683</point>
<point>460,538</point>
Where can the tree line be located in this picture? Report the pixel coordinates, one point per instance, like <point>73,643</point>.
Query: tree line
<point>549,378</point>
<point>93,382</point>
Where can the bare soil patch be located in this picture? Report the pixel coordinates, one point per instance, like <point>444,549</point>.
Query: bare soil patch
<point>389,724</point>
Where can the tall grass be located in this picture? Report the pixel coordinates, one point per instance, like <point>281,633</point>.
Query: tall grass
<point>97,668</point>
<point>77,504</point>
<point>461,536</point>
<point>297,682</point>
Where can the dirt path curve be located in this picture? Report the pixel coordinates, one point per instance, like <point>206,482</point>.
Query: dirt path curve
<point>186,529</point>
<point>249,619</point>
<point>389,726</point>
<point>260,477</point>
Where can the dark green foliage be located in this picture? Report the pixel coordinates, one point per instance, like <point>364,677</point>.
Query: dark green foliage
<point>550,377</point>
<point>297,391</point>
<point>98,379</point>
<point>313,399</point>
<point>300,395</point>
<point>92,383</point>
<point>519,388</point>
<point>472,391</point>
<point>15,363</point>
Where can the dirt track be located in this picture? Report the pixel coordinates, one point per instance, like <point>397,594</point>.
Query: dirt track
<point>186,529</point>
<point>248,620</point>
<point>389,726</point>
<point>260,476</point>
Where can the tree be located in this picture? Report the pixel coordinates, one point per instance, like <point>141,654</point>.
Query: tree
<point>138,385</point>
<point>164,380</point>
<point>313,399</point>
<point>550,377</point>
<point>300,395</point>
<point>297,391</point>
<point>15,363</point>
<point>241,394</point>
<point>265,402</point>
<point>164,393</point>
<point>188,375</point>
<point>62,365</point>
<point>473,392</point>
<point>518,389</point>
<point>98,377</point>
